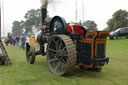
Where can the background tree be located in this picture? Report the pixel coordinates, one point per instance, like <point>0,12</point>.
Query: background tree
<point>33,20</point>
<point>90,24</point>
<point>17,28</point>
<point>119,19</point>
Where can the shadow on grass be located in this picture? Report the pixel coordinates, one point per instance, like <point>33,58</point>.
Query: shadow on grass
<point>84,73</point>
<point>78,72</point>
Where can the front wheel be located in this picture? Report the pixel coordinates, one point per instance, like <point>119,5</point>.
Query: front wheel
<point>30,54</point>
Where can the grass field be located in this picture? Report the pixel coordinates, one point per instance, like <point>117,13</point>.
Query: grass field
<point>22,73</point>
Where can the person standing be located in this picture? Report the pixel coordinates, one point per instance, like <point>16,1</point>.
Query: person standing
<point>11,41</point>
<point>14,40</point>
<point>6,41</point>
<point>17,41</point>
<point>23,40</point>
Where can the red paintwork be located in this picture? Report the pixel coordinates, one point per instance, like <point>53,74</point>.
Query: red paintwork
<point>76,29</point>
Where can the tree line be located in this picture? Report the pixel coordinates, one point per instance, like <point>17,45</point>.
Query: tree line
<point>33,21</point>
<point>119,19</point>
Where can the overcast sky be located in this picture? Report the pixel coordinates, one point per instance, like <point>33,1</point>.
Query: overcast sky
<point>97,10</point>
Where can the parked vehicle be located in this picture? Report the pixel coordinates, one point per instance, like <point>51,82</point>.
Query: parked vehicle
<point>121,32</point>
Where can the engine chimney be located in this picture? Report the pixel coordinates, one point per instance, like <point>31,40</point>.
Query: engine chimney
<point>44,10</point>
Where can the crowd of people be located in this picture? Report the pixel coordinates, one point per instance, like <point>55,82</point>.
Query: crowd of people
<point>16,41</point>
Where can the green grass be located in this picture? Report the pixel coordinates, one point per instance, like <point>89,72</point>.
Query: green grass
<point>22,73</point>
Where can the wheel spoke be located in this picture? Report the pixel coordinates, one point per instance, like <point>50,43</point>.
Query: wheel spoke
<point>63,67</point>
<point>64,49</point>
<point>60,45</point>
<point>56,45</point>
<point>57,66</point>
<point>64,59</point>
<point>55,54</point>
<point>53,60</point>
<point>53,50</point>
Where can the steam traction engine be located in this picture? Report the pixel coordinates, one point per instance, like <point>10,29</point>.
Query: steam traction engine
<point>69,46</point>
<point>4,59</point>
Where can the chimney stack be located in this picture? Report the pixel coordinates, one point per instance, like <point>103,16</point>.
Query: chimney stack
<point>44,4</point>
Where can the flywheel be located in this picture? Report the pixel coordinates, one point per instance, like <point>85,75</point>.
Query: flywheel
<point>58,26</point>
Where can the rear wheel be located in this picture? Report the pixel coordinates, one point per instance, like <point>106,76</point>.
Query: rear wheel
<point>61,54</point>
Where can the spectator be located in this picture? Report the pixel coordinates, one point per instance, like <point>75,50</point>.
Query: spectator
<point>17,41</point>
<point>23,40</point>
<point>14,40</point>
<point>7,41</point>
<point>11,40</point>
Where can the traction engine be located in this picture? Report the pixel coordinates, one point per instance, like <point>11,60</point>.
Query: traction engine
<point>69,46</point>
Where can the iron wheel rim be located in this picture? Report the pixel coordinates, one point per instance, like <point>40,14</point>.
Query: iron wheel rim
<point>57,56</point>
